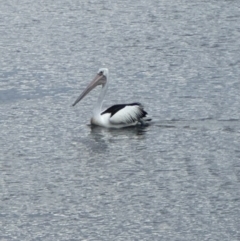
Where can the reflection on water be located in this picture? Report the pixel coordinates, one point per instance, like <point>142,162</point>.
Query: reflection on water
<point>127,132</point>
<point>100,138</point>
<point>176,179</point>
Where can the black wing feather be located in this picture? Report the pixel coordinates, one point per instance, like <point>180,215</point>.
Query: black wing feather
<point>115,108</point>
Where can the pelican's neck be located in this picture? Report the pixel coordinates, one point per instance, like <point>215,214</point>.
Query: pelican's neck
<point>98,107</point>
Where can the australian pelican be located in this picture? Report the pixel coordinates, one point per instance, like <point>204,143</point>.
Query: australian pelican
<point>116,116</point>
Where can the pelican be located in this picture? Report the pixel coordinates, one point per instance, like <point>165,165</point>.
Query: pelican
<point>116,116</point>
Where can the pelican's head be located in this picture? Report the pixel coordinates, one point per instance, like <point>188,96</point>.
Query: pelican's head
<point>103,71</point>
<point>99,79</point>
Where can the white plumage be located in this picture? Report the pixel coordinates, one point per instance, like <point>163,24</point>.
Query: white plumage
<point>116,116</point>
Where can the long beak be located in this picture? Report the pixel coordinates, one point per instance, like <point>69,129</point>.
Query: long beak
<point>96,81</point>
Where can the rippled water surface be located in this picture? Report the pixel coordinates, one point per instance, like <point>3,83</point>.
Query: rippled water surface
<point>177,179</point>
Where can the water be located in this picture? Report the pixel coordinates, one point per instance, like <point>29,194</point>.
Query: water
<point>177,179</point>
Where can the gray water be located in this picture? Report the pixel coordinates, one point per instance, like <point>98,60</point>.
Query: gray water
<point>177,179</point>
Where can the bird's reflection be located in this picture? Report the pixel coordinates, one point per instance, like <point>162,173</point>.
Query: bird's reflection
<point>103,137</point>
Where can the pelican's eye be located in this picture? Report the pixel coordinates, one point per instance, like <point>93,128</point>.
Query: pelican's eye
<point>100,73</point>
